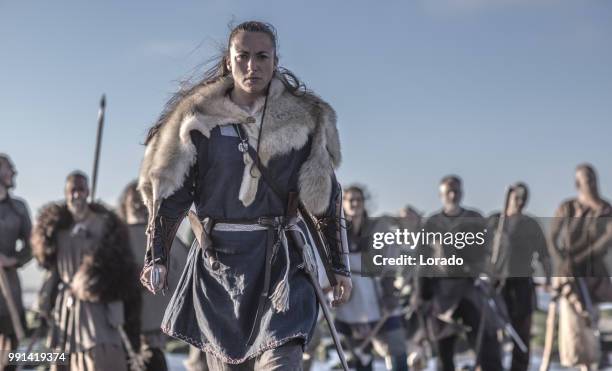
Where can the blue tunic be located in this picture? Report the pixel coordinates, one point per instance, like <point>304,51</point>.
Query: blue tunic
<point>215,310</point>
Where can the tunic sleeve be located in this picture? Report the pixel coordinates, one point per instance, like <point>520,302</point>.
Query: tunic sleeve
<point>333,228</point>
<point>539,242</point>
<point>25,230</point>
<point>556,226</point>
<point>174,208</point>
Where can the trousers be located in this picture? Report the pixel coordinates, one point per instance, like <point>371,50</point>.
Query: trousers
<point>490,352</point>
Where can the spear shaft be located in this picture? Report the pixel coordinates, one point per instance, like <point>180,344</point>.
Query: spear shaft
<point>94,181</point>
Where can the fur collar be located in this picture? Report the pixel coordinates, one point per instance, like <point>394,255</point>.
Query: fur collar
<point>289,121</point>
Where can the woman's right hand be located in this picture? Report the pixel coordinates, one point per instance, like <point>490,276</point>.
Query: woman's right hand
<point>153,277</point>
<point>342,290</point>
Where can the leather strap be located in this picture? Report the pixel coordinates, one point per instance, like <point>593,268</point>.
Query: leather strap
<point>263,297</point>
<point>307,217</point>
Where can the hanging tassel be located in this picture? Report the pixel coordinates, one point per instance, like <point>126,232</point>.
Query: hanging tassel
<point>280,296</point>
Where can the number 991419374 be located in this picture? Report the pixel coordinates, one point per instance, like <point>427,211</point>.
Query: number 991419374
<point>37,358</point>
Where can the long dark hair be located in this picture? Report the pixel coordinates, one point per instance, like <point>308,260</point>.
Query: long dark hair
<point>219,70</point>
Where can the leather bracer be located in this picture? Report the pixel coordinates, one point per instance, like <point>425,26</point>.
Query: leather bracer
<point>333,228</point>
<point>163,235</point>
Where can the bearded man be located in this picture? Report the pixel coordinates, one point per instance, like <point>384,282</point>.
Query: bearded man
<point>452,291</point>
<point>93,277</point>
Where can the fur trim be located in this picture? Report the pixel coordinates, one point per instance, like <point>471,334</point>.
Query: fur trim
<point>289,121</point>
<point>52,217</point>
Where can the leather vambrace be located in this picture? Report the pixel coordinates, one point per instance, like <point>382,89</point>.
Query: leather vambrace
<point>162,236</point>
<point>333,227</point>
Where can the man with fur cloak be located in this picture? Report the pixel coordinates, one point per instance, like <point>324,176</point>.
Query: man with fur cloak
<point>90,292</point>
<point>242,145</point>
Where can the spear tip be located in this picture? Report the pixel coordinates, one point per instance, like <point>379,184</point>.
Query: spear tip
<point>103,101</point>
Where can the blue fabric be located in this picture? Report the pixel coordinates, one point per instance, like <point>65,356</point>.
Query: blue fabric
<point>214,181</point>
<point>215,310</point>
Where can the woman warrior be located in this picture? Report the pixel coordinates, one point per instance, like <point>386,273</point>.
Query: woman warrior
<point>245,145</point>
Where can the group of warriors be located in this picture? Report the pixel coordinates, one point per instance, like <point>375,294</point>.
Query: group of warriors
<point>275,237</point>
<point>490,299</point>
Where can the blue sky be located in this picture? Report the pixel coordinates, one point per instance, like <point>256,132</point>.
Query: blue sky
<point>493,90</point>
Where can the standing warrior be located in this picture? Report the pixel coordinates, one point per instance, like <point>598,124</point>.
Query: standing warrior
<point>242,144</point>
<point>522,242</point>
<point>373,299</point>
<point>86,249</point>
<point>15,226</point>
<point>580,236</point>
<point>454,294</point>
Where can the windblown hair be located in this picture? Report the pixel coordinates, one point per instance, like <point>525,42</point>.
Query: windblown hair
<point>219,70</point>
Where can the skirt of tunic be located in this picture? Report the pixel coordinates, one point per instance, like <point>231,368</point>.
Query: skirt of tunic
<point>215,310</point>
<point>81,325</point>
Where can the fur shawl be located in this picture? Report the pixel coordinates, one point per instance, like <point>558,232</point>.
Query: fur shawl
<point>289,122</point>
<point>109,274</point>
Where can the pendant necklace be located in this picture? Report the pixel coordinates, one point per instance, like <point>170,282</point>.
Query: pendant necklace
<point>243,146</point>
